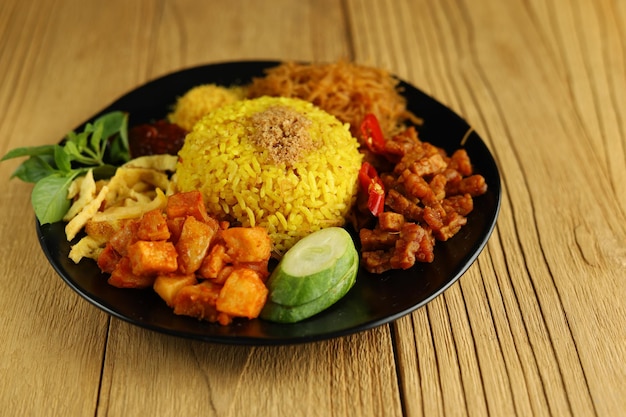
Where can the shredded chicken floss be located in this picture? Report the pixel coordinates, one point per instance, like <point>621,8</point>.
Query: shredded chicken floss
<point>283,132</point>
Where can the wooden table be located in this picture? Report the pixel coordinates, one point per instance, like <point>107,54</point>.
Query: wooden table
<point>535,327</point>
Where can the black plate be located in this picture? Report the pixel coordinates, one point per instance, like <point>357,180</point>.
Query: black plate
<point>373,301</point>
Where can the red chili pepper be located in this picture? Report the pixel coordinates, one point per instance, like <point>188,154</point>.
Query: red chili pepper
<point>372,134</point>
<point>371,183</point>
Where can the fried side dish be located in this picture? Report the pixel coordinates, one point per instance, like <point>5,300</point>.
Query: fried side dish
<point>427,197</point>
<point>200,267</point>
<point>144,234</point>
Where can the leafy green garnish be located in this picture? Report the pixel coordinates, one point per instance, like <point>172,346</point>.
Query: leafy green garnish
<point>102,146</point>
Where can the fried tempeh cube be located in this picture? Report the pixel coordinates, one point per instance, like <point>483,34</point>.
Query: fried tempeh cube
<point>389,221</point>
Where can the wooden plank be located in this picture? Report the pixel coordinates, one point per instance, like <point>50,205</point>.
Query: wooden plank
<point>539,305</point>
<point>52,341</point>
<point>146,372</point>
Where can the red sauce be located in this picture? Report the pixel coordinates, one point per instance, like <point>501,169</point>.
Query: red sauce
<point>156,138</point>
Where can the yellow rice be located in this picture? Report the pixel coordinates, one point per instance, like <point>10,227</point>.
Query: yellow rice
<point>240,184</point>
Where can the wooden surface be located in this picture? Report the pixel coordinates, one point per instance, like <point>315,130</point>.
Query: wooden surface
<point>537,326</point>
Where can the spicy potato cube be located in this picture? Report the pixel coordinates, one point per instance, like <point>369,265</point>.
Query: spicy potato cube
<point>260,268</point>
<point>124,277</point>
<point>125,237</point>
<point>152,226</point>
<point>198,301</point>
<point>193,244</point>
<point>152,258</point>
<point>243,294</point>
<point>108,259</point>
<point>175,227</point>
<point>247,244</point>
<point>214,262</point>
<point>223,274</point>
<point>168,286</point>
<point>187,204</point>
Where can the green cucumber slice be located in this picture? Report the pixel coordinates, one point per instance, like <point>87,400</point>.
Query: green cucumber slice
<point>291,314</point>
<point>313,266</point>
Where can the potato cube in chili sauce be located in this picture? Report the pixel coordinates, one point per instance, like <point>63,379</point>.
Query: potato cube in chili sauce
<point>152,226</point>
<point>124,277</point>
<point>152,258</point>
<point>125,237</point>
<point>108,259</point>
<point>214,262</point>
<point>186,204</point>
<point>247,244</point>
<point>175,227</point>
<point>198,301</point>
<point>243,294</point>
<point>193,243</point>
<point>168,286</point>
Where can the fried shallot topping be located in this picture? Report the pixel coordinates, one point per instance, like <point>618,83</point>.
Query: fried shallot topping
<point>284,132</point>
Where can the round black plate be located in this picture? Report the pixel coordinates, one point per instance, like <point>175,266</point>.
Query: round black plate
<point>373,301</point>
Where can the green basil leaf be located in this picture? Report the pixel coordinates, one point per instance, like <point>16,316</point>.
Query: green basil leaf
<point>71,148</point>
<point>97,136</point>
<point>34,169</point>
<point>49,197</point>
<point>53,167</point>
<point>112,123</point>
<point>81,140</point>
<point>71,137</point>
<point>62,159</point>
<point>119,152</point>
<point>104,172</point>
<point>29,151</point>
<point>124,134</point>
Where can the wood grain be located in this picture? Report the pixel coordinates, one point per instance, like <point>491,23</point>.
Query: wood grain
<point>537,326</point>
<point>533,300</point>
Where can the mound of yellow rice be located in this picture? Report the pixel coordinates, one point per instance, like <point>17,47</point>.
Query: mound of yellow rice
<point>241,182</point>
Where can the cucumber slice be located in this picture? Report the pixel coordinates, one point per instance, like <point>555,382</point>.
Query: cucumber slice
<point>292,314</point>
<point>313,266</point>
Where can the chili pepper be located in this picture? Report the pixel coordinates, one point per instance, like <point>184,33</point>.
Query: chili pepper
<point>371,183</point>
<point>372,134</point>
